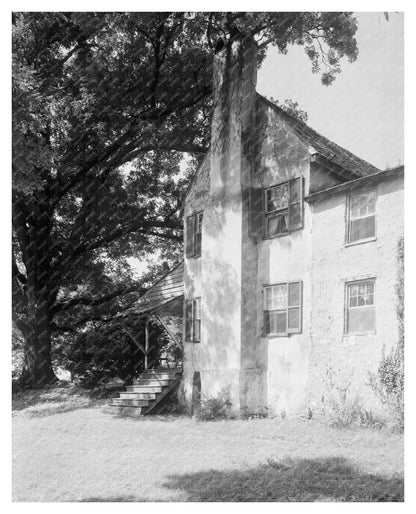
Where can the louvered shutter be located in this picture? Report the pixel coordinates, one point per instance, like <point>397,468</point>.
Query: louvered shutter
<point>256,206</point>
<point>190,237</point>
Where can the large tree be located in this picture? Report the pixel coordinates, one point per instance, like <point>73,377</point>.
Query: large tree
<point>104,107</point>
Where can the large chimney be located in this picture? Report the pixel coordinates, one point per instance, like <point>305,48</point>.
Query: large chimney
<point>229,260</point>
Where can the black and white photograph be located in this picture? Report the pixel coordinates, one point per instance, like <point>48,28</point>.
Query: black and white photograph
<point>207,227</point>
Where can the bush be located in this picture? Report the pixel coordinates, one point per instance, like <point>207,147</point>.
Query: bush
<point>388,383</point>
<point>343,410</point>
<point>214,408</point>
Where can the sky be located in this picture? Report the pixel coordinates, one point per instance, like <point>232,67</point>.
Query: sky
<point>363,110</point>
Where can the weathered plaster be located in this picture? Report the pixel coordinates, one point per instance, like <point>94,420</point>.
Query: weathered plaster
<point>352,357</point>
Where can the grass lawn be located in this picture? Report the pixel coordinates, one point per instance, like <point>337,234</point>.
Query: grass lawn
<point>69,447</point>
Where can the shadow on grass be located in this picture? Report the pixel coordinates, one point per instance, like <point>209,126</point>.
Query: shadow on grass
<point>303,480</point>
<point>59,398</point>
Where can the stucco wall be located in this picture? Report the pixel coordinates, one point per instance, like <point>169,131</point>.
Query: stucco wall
<point>282,156</point>
<point>351,357</point>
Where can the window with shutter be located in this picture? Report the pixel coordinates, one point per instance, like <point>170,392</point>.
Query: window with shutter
<point>283,308</point>
<point>193,320</point>
<point>193,235</point>
<point>361,217</point>
<point>284,208</point>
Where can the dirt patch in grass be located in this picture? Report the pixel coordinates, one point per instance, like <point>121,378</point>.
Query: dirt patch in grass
<point>80,451</point>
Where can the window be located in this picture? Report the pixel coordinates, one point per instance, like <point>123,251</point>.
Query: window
<point>193,320</point>
<point>361,217</point>
<point>283,308</point>
<point>194,235</point>
<point>360,308</point>
<point>284,208</point>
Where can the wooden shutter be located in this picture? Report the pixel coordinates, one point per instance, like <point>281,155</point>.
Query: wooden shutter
<point>256,207</point>
<point>295,203</point>
<point>188,320</point>
<point>198,234</point>
<point>190,235</point>
<point>294,309</point>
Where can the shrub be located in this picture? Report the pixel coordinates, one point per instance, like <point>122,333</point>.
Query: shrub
<point>388,383</point>
<point>341,408</point>
<point>214,408</point>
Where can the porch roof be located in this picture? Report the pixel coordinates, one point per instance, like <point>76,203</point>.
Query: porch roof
<point>164,297</point>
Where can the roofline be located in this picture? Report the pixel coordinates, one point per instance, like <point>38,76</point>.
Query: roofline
<point>191,182</point>
<point>388,174</point>
<point>280,111</point>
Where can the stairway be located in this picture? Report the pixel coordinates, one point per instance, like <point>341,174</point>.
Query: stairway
<point>146,393</point>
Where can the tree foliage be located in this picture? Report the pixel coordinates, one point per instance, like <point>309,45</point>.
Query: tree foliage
<point>104,107</point>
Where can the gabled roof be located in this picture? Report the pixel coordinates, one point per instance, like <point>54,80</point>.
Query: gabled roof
<point>331,151</point>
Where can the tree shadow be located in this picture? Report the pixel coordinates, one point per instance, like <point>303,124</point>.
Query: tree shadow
<point>58,399</point>
<point>302,480</point>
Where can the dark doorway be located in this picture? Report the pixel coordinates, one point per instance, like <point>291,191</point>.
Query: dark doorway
<point>196,394</point>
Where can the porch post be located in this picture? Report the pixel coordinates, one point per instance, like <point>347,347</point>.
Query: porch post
<point>146,341</point>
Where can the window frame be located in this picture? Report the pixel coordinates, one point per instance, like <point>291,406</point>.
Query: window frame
<point>192,223</point>
<point>192,320</point>
<point>348,284</point>
<point>349,198</point>
<point>270,214</point>
<point>288,307</point>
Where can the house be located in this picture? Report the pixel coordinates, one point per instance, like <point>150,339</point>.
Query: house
<point>288,282</point>
<point>290,262</point>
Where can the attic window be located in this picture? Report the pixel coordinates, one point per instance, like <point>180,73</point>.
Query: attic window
<point>361,217</point>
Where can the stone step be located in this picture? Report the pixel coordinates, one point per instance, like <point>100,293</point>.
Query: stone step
<point>129,402</point>
<point>146,388</point>
<point>139,394</point>
<point>133,412</point>
<point>159,376</point>
<point>151,381</point>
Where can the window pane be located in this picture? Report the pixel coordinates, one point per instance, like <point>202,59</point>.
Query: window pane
<point>277,224</point>
<point>295,190</point>
<point>362,228</point>
<point>271,322</point>
<point>277,197</point>
<point>294,294</point>
<point>279,297</point>
<point>362,205</point>
<point>281,322</point>
<point>295,214</point>
<point>294,319</point>
<point>361,320</point>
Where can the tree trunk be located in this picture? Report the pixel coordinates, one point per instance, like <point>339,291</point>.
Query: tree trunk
<point>37,365</point>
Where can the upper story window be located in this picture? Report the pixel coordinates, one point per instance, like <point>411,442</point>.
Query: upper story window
<point>194,234</point>
<point>277,210</point>
<point>283,308</point>
<point>360,308</point>
<point>361,217</point>
<point>193,320</point>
